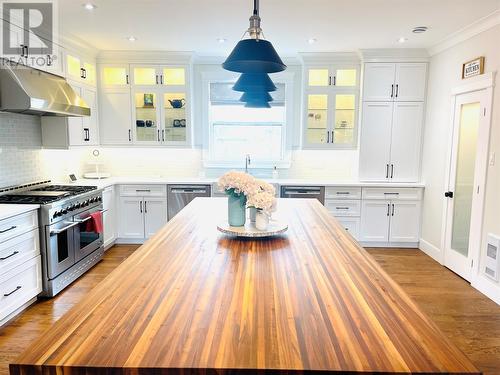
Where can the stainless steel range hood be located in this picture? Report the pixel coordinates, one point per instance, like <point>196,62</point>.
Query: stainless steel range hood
<point>31,91</point>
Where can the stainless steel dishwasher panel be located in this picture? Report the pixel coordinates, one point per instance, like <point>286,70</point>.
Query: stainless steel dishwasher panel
<point>317,192</point>
<point>178,196</point>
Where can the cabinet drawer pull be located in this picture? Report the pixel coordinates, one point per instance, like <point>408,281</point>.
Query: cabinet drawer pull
<point>343,193</point>
<point>143,190</point>
<point>8,229</point>
<point>11,255</point>
<point>15,290</point>
<point>342,208</point>
<point>391,193</point>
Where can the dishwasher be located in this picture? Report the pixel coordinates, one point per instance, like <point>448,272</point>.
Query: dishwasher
<point>317,192</point>
<point>178,196</point>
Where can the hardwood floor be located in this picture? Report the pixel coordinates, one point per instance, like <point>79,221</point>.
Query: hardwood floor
<point>467,317</point>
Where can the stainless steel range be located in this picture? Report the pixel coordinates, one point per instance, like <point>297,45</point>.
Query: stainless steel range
<point>69,245</point>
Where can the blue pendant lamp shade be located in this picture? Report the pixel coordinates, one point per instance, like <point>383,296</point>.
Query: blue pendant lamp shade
<point>256,96</point>
<point>254,82</point>
<point>254,56</point>
<point>258,103</point>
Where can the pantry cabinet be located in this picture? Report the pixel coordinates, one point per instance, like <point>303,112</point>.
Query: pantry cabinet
<point>400,82</point>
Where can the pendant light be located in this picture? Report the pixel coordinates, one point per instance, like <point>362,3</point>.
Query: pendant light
<point>254,55</point>
<point>254,82</point>
<point>256,96</point>
<point>257,104</point>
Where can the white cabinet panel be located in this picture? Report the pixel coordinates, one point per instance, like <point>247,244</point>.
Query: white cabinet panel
<point>392,193</point>
<point>343,207</point>
<point>379,82</point>
<point>375,220</point>
<point>131,217</point>
<point>405,141</point>
<point>155,215</point>
<point>75,124</point>
<point>351,225</point>
<point>405,221</point>
<point>341,192</point>
<point>90,124</point>
<point>109,216</point>
<point>411,79</point>
<point>115,119</point>
<point>143,190</point>
<point>19,224</point>
<point>375,146</point>
<point>18,250</point>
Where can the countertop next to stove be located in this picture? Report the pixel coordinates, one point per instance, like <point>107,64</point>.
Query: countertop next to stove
<point>9,210</point>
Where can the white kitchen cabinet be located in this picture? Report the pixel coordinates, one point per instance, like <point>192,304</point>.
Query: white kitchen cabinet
<point>375,219</point>
<point>142,211</point>
<point>114,75</point>
<point>64,132</point>
<point>398,82</point>
<point>109,216</point>
<point>405,221</point>
<point>391,141</point>
<point>115,121</point>
<point>375,143</point>
<point>131,218</point>
<point>80,69</point>
<point>351,224</point>
<point>155,215</point>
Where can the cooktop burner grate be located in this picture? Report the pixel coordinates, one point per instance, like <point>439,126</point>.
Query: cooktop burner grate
<point>37,197</point>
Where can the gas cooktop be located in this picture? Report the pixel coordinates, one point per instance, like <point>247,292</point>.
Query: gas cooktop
<point>45,194</point>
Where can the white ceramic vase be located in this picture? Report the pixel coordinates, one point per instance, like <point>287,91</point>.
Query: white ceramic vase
<point>261,220</point>
<point>252,213</point>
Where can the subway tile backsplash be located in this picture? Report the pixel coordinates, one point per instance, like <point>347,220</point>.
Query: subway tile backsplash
<point>20,147</point>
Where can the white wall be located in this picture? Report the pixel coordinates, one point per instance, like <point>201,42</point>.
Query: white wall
<point>444,75</point>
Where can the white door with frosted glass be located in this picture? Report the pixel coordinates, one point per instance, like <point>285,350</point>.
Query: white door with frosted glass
<point>464,212</point>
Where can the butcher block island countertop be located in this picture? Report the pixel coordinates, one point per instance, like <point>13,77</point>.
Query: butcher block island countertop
<point>194,301</point>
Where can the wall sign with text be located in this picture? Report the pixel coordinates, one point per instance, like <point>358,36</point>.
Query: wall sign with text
<point>473,68</point>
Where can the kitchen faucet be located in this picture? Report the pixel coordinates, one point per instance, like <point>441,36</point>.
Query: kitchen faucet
<point>248,161</point>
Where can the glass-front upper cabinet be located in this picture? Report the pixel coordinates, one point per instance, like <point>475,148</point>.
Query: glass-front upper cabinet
<point>175,117</point>
<point>115,75</point>
<point>145,114</point>
<point>80,70</point>
<point>151,75</point>
<point>331,96</point>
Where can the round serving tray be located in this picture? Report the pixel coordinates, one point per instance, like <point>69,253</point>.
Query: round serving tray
<point>273,229</point>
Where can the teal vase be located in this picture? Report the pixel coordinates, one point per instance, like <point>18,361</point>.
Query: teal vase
<point>236,210</point>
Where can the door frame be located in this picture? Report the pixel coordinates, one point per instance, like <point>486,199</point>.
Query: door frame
<point>484,84</point>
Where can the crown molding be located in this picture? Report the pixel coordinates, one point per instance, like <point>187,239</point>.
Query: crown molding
<point>466,33</point>
<point>330,57</point>
<point>394,55</point>
<point>217,59</point>
<point>138,56</point>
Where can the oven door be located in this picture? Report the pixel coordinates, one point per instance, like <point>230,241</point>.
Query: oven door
<point>60,247</point>
<point>87,240</point>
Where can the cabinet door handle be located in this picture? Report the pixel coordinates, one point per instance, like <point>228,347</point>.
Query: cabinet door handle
<point>327,137</point>
<point>397,90</point>
<point>127,79</point>
<point>86,134</point>
<point>392,170</point>
<point>11,255</point>
<point>85,73</point>
<point>330,81</point>
<point>81,73</point>
<point>392,91</point>
<point>158,135</point>
<point>8,229</point>
<point>387,171</point>
<point>140,206</point>
<point>26,48</point>
<point>49,60</point>
<point>334,80</point>
<point>130,135</point>
<point>393,209</point>
<point>145,207</point>
<point>161,79</point>
<point>388,209</point>
<point>163,135</point>
<point>157,79</point>
<point>15,290</point>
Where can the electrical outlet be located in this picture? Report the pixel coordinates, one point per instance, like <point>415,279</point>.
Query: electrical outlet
<point>492,159</point>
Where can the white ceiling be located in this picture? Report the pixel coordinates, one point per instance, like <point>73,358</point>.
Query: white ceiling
<point>195,25</point>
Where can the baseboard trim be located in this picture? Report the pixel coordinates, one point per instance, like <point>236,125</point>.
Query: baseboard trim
<point>19,310</point>
<point>399,245</point>
<point>433,251</point>
<point>129,241</point>
<point>488,287</point>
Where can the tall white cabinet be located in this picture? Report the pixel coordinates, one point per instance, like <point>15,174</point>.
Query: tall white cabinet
<point>392,118</point>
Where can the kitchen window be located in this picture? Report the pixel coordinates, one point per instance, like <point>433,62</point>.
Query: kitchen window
<point>236,131</point>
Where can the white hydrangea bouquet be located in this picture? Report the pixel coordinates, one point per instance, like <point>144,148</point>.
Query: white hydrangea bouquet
<point>243,191</point>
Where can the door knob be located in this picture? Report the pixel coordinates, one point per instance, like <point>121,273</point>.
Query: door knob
<point>448,194</point>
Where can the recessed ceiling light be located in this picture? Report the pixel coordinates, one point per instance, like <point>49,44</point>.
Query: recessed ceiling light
<point>221,40</point>
<point>420,29</point>
<point>312,40</point>
<point>89,6</point>
<point>402,39</point>
<point>131,38</point>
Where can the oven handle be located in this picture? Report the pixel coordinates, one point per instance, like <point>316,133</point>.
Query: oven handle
<point>59,231</point>
<point>79,221</point>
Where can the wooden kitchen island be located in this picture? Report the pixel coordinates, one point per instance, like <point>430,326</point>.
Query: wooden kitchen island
<point>193,301</point>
